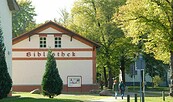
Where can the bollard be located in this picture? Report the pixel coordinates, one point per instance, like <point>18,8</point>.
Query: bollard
<point>128,98</point>
<point>163,95</point>
<point>136,98</point>
<point>143,97</point>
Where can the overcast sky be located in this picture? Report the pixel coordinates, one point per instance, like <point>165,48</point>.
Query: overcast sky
<point>48,9</point>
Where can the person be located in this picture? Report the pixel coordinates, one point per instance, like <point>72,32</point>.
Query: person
<point>122,88</point>
<point>115,87</point>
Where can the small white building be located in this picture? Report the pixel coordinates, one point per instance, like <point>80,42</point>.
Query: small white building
<point>6,8</point>
<point>135,79</point>
<point>74,54</point>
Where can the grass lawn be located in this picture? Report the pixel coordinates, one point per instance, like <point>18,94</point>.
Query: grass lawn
<point>27,97</point>
<point>151,96</point>
<point>155,99</point>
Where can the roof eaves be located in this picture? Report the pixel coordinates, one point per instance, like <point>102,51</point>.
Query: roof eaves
<point>55,24</point>
<point>73,33</point>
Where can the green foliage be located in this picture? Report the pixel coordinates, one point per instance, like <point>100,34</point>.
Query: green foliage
<point>51,83</point>
<point>155,67</point>
<point>156,80</point>
<point>64,17</point>
<point>94,20</point>
<point>23,20</point>
<point>148,20</point>
<point>5,79</point>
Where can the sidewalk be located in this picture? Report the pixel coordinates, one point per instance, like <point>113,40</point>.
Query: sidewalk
<point>112,98</point>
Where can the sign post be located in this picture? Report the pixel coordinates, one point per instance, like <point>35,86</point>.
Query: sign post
<point>140,66</point>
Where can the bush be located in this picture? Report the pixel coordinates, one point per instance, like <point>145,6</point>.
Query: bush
<point>51,83</point>
<point>156,80</point>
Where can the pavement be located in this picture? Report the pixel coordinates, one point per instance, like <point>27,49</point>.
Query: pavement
<point>112,98</point>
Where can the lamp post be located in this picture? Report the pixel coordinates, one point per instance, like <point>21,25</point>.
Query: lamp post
<point>140,66</point>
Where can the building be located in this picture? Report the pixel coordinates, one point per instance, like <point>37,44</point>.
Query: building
<point>135,79</point>
<point>6,8</point>
<point>74,54</point>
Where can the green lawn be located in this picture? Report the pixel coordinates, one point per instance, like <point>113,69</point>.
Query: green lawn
<point>152,94</point>
<point>77,97</point>
<point>155,99</point>
<point>27,97</point>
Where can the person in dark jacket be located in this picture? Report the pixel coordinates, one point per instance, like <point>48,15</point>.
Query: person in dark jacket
<point>122,89</point>
<point>116,88</point>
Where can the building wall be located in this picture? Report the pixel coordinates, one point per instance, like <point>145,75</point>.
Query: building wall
<point>74,58</point>
<point>6,25</point>
<point>31,72</point>
<point>130,80</point>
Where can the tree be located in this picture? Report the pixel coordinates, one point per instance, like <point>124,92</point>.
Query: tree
<point>51,83</point>
<point>64,17</point>
<point>94,20</point>
<point>23,20</point>
<point>125,52</point>
<point>152,19</point>
<point>155,67</point>
<point>157,80</point>
<point>5,79</point>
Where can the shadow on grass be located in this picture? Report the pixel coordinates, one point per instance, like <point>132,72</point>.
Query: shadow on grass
<point>28,99</point>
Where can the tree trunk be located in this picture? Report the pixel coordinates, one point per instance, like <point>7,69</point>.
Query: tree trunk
<point>123,74</point>
<point>110,81</point>
<point>110,76</point>
<point>171,72</point>
<point>122,68</point>
<point>105,77</point>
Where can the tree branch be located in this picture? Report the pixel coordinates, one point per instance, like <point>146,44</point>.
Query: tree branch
<point>168,2</point>
<point>155,23</point>
<point>162,5</point>
<point>156,1</point>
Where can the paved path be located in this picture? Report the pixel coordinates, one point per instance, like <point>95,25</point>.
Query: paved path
<point>111,99</point>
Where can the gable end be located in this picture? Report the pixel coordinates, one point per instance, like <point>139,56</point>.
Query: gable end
<point>58,28</point>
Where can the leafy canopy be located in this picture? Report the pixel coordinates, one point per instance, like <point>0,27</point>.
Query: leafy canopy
<point>23,20</point>
<point>149,20</point>
<point>94,20</point>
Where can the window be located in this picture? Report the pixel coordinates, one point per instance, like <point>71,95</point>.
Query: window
<point>57,42</point>
<point>42,42</point>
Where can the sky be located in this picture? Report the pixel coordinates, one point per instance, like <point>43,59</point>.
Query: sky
<point>49,9</point>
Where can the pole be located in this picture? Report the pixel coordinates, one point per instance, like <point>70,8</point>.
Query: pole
<point>128,98</point>
<point>143,86</point>
<point>136,98</point>
<point>140,64</point>
<point>140,86</point>
<point>142,97</point>
<point>163,95</point>
<point>134,77</point>
<point>133,82</point>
